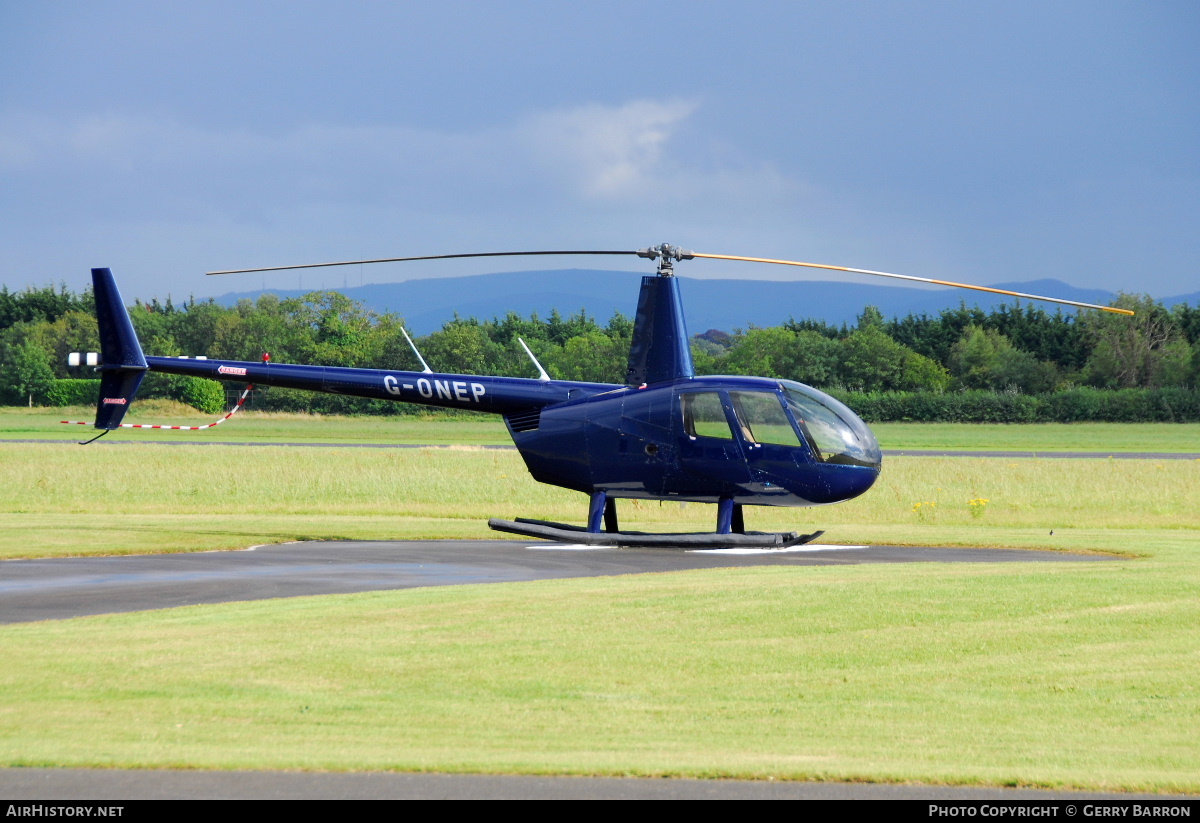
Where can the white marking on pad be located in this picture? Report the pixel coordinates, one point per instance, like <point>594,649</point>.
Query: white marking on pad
<point>811,547</point>
<point>567,547</point>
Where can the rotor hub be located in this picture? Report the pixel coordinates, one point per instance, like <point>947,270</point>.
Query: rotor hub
<point>666,254</point>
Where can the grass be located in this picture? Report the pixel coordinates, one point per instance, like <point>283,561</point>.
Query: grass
<point>63,499</point>
<point>279,427</point>
<point>255,427</point>
<point>1042,437</point>
<point>1046,675</point>
<point>1062,675</point>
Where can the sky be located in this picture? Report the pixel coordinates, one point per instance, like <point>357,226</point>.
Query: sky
<point>978,142</point>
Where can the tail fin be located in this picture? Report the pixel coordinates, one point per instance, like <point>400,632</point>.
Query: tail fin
<point>122,363</point>
<point>661,349</point>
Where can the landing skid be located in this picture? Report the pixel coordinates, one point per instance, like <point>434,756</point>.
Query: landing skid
<point>565,533</point>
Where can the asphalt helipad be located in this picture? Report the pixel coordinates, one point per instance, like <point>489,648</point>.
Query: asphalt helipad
<point>58,588</point>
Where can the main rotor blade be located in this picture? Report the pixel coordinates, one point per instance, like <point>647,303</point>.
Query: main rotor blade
<point>406,259</point>
<point>917,279</point>
<point>680,254</point>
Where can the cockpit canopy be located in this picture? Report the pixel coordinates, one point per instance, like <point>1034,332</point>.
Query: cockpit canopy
<point>794,415</point>
<point>836,434</point>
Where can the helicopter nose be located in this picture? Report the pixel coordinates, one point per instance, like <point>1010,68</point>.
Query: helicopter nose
<point>827,483</point>
<point>847,482</point>
<point>859,479</point>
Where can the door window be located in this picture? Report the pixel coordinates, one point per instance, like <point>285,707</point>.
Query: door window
<point>704,416</point>
<point>762,418</point>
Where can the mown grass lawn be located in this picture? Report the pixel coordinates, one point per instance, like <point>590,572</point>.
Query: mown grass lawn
<point>1042,674</point>
<point>1080,675</point>
<point>64,499</point>
<point>272,427</point>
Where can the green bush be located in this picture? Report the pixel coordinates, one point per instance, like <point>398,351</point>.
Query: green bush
<point>156,385</point>
<point>205,395</point>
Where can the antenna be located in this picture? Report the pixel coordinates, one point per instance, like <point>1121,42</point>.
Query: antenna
<point>542,376</point>
<point>425,365</point>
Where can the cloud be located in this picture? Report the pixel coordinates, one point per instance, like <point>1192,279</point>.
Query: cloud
<point>607,151</point>
<point>181,196</point>
<point>591,153</point>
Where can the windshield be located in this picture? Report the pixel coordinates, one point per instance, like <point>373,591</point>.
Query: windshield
<point>835,432</point>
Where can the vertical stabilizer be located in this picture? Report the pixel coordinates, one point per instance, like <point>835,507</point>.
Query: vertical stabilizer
<point>122,363</point>
<point>661,348</point>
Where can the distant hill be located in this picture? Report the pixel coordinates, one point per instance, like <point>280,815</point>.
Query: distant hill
<point>708,304</point>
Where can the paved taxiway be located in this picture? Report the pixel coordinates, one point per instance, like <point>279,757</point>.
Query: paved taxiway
<point>59,588</point>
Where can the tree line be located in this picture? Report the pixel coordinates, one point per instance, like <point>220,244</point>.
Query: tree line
<point>1013,350</point>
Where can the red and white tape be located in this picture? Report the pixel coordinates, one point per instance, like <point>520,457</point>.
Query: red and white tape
<point>232,412</point>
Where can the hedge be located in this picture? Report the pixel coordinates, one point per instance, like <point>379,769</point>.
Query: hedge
<point>1165,405</point>
<point>205,395</point>
<point>274,398</point>
<point>74,392</point>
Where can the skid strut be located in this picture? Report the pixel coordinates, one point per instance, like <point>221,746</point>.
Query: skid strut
<point>602,509</point>
<point>565,533</point>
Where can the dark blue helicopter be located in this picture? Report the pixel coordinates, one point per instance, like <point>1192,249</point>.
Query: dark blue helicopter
<point>665,434</point>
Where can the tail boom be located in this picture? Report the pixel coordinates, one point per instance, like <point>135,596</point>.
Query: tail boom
<point>496,395</point>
